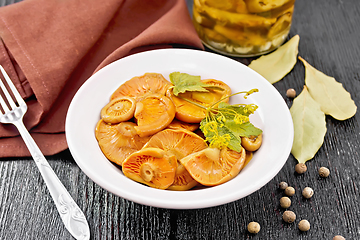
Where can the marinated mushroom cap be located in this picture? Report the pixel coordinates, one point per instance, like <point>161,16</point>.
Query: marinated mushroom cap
<point>251,143</point>
<point>178,125</point>
<point>142,85</point>
<point>188,112</point>
<point>213,166</point>
<point>118,110</point>
<point>183,180</point>
<point>152,167</point>
<point>117,141</point>
<point>153,113</point>
<point>179,143</point>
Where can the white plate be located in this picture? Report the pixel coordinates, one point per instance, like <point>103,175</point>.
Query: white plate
<point>272,116</point>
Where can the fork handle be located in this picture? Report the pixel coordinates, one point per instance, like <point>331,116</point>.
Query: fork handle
<point>72,216</point>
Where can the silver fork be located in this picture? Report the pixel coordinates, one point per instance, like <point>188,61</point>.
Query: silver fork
<point>13,112</point>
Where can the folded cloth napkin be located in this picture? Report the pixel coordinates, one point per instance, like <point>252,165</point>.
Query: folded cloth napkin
<point>50,48</point>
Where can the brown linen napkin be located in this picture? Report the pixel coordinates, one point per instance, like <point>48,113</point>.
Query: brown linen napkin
<point>50,48</point>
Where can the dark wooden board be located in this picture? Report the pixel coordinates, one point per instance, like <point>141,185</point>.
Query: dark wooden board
<point>329,33</point>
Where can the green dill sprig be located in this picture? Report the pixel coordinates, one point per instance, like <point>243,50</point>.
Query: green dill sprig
<point>224,125</point>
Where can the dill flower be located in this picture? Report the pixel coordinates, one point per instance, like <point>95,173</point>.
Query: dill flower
<point>240,119</point>
<point>219,141</point>
<point>250,108</point>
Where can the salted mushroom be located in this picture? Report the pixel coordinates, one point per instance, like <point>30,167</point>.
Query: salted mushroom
<point>178,125</point>
<point>179,143</point>
<point>188,112</point>
<point>139,86</point>
<point>213,166</point>
<point>117,141</point>
<point>118,110</point>
<point>183,180</point>
<point>153,113</point>
<point>151,166</point>
<point>251,143</point>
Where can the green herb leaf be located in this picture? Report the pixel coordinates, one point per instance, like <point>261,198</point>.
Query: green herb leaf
<point>185,82</point>
<point>219,136</point>
<point>334,100</point>
<point>229,122</point>
<point>309,126</point>
<point>247,130</point>
<point>245,110</point>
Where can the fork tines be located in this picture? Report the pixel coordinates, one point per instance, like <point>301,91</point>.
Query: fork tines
<point>7,98</point>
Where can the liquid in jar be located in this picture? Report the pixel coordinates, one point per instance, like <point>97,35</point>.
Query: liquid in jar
<point>243,27</point>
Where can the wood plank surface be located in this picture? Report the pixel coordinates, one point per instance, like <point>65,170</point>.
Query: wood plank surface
<point>329,33</point>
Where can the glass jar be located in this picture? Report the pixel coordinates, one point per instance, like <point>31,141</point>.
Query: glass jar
<point>243,28</point>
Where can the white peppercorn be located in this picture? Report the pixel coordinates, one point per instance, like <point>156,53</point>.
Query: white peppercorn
<point>291,93</point>
<point>285,202</point>
<point>308,192</point>
<point>289,216</point>
<point>289,191</point>
<point>304,225</point>
<point>253,227</point>
<point>283,185</point>
<point>300,168</point>
<point>338,237</point>
<point>324,172</point>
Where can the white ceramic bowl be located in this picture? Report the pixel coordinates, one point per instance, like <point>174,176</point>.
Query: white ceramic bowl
<point>272,116</point>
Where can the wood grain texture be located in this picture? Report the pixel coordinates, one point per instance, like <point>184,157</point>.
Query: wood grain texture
<point>329,40</point>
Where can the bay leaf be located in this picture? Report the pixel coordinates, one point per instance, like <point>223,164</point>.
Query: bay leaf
<point>276,65</point>
<point>309,126</point>
<point>334,100</point>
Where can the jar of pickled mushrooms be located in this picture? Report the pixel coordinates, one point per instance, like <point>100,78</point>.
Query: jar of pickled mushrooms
<point>243,28</point>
